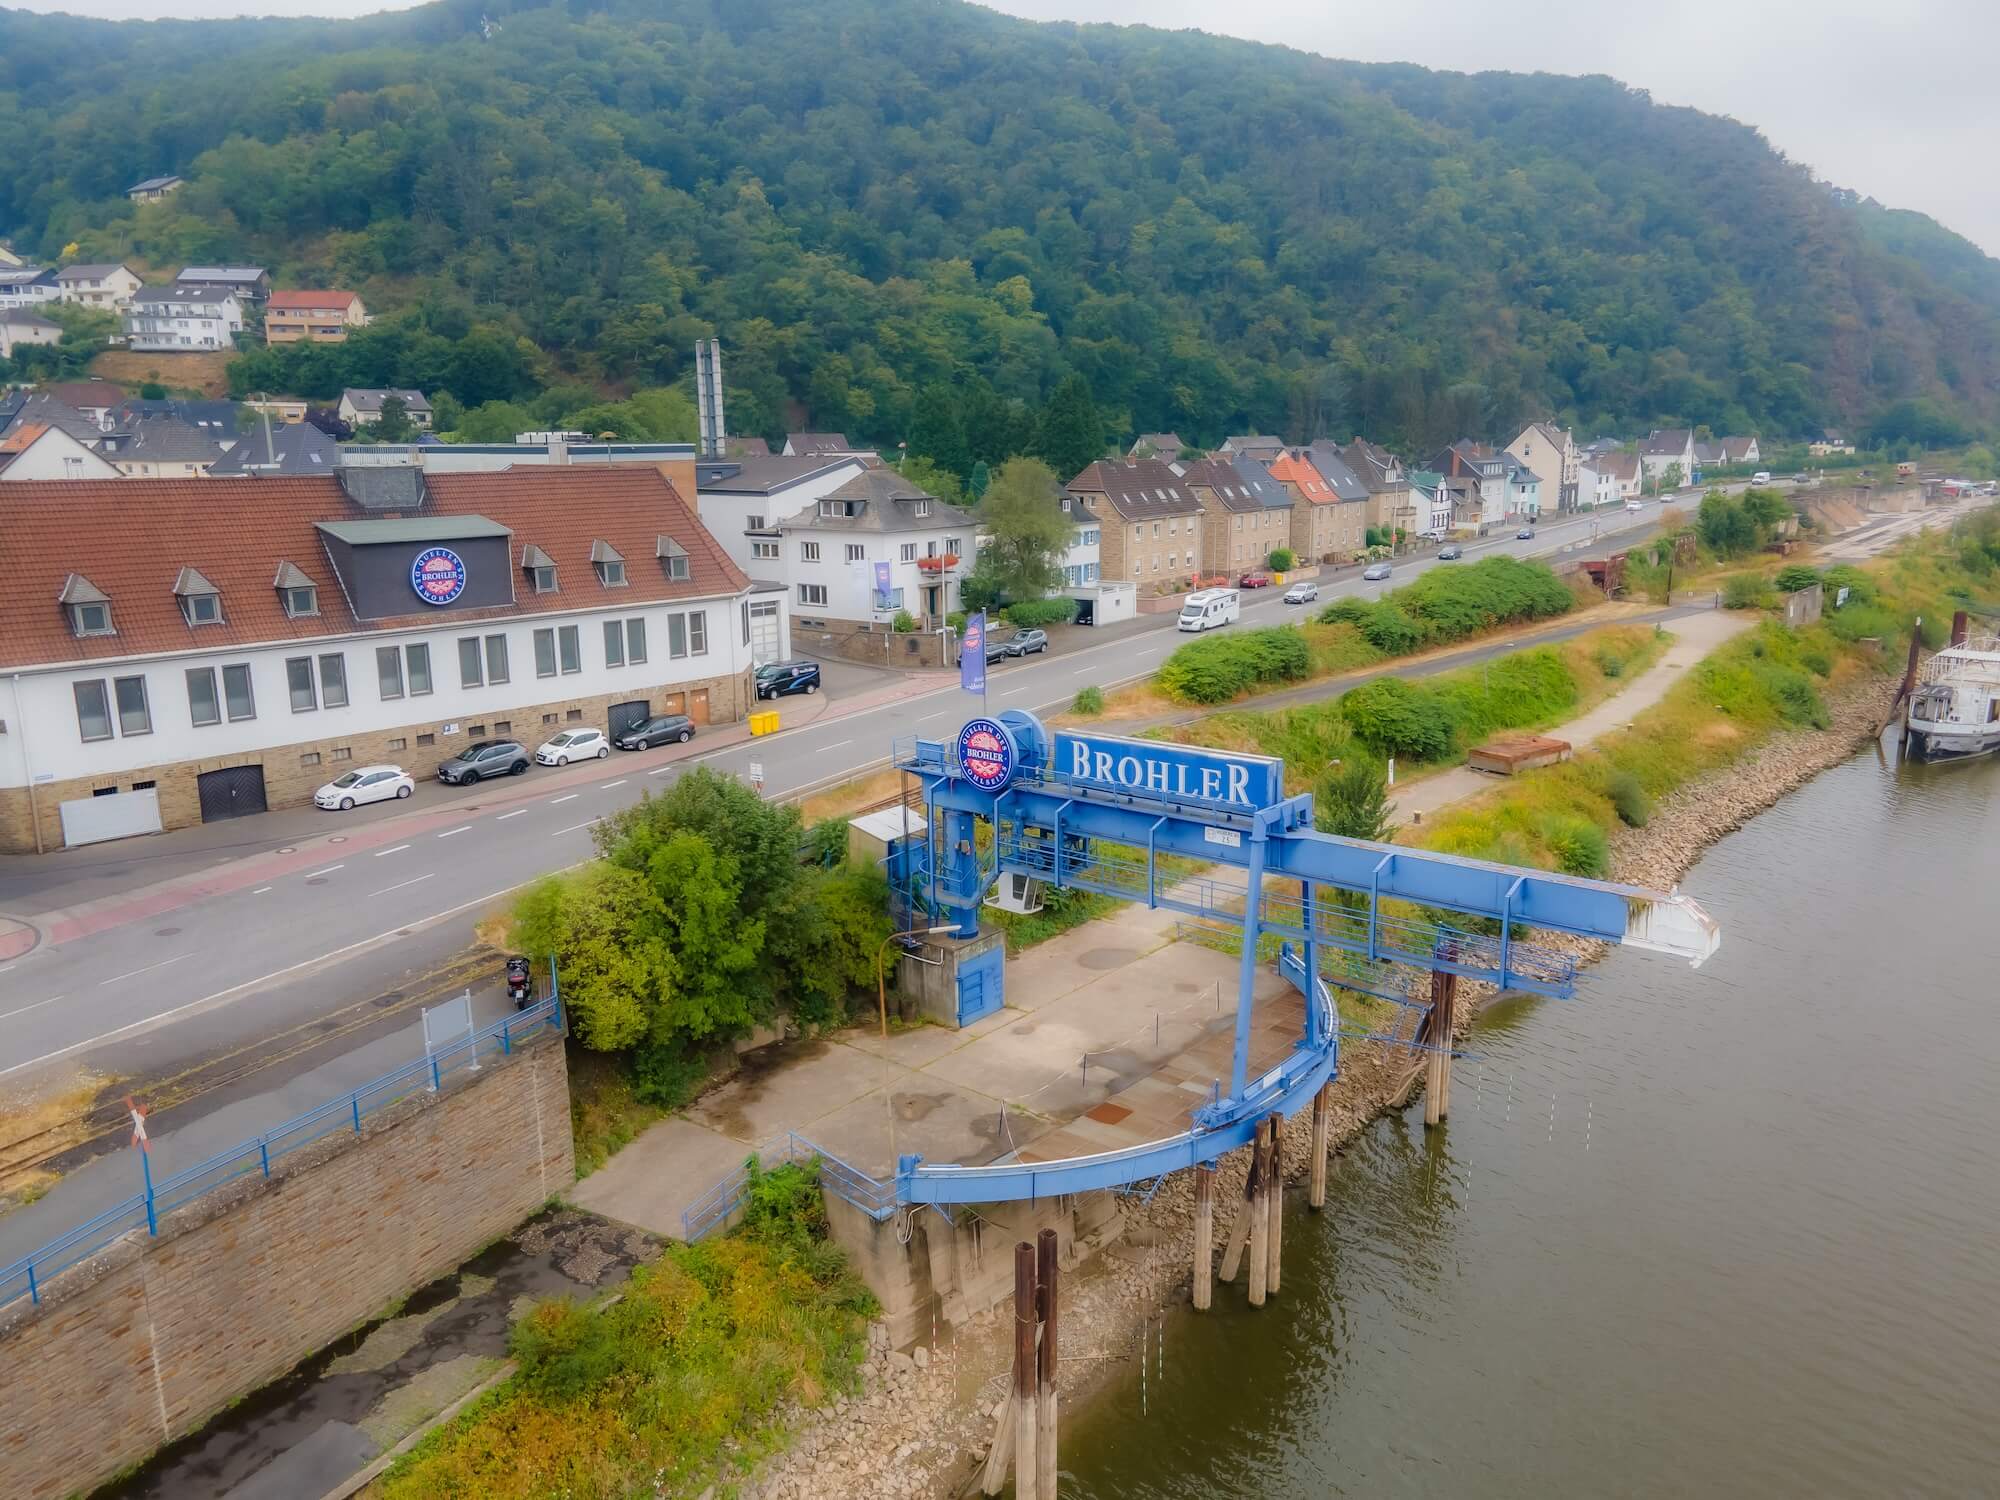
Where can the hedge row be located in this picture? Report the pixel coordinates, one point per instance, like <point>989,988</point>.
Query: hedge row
<point>1448,604</point>
<point>1217,668</point>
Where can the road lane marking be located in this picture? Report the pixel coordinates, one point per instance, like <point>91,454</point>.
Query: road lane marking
<point>9,1015</point>
<point>449,832</point>
<point>558,801</point>
<point>260,890</point>
<point>327,871</point>
<point>836,745</point>
<point>574,826</point>
<point>501,819</point>
<point>114,979</point>
<point>1083,671</point>
<point>659,770</point>
<point>388,888</point>
<point>610,784</point>
<point>393,849</point>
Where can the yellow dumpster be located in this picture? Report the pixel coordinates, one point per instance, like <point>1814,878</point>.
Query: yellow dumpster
<point>764,722</point>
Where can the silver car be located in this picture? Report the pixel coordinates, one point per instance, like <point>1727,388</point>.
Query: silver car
<point>1376,572</point>
<point>1302,593</point>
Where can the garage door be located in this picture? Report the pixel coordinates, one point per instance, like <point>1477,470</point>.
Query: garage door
<point>234,793</point>
<point>764,632</point>
<point>622,716</point>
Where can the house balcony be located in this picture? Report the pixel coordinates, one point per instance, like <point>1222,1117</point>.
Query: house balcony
<point>937,566</point>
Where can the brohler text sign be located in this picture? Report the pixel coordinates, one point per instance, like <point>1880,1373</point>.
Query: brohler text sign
<point>1174,773</point>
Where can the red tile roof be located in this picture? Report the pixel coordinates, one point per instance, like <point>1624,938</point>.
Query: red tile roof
<point>1312,485</point>
<point>131,541</point>
<point>309,301</point>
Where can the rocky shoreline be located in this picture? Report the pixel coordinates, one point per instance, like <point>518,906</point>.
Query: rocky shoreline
<point>920,1425</point>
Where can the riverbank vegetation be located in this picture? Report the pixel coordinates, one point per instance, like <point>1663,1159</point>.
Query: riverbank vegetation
<point>687,1372</point>
<point>1771,679</point>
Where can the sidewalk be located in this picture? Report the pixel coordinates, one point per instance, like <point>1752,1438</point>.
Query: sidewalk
<point>62,896</point>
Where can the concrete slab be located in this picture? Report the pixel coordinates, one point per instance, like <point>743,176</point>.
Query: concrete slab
<point>788,1088</point>
<point>333,1452</point>
<point>652,1181</point>
<point>925,1116</point>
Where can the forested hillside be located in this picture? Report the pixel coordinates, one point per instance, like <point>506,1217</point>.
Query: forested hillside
<point>868,199</point>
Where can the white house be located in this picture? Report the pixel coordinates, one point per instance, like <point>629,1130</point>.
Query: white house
<point>1524,490</point>
<point>39,450</point>
<point>1433,501</point>
<point>1742,450</point>
<point>222,645</point>
<point>742,500</point>
<point>1551,452</point>
<point>27,287</point>
<point>153,189</point>
<point>174,319</point>
<point>1597,485</point>
<point>18,328</point>
<point>871,546</point>
<point>359,406</point>
<point>1486,469</point>
<point>108,287</point>
<point>1083,560</point>
<point>1664,449</point>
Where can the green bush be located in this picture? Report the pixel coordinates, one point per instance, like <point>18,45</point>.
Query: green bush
<point>956,621</point>
<point>1034,614</point>
<point>1452,603</point>
<point>1860,587</point>
<point>1580,847</point>
<point>1745,591</point>
<point>1390,631</point>
<point>1609,662</point>
<point>1858,621</point>
<point>1348,611</point>
<point>1088,700</point>
<point>1629,799</point>
<point>1220,667</point>
<point>1394,718</point>
<point>1797,699</point>
<point>1795,577</point>
<point>1351,800</point>
<point>905,623</point>
<point>1281,559</point>
<point>1816,661</point>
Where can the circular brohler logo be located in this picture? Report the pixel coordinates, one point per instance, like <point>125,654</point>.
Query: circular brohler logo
<point>438,575</point>
<point>985,754</point>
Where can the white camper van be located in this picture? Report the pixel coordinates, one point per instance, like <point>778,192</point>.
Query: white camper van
<point>1208,608</point>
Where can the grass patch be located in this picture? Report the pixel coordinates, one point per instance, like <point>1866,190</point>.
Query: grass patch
<point>682,1375</point>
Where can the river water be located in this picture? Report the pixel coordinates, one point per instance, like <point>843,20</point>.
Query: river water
<point>1734,1231</point>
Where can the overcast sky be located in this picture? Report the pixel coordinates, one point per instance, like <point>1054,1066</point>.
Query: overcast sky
<point>1894,98</point>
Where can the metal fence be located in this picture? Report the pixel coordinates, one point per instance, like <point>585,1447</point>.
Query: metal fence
<point>714,1208</point>
<point>428,1074</point>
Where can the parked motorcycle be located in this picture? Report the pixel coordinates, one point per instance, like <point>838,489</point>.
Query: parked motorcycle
<point>519,989</point>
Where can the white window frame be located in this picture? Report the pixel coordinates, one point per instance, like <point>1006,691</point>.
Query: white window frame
<point>807,593</point>
<point>808,551</point>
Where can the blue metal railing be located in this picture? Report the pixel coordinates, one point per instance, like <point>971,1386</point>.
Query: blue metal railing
<point>28,1276</point>
<point>714,1208</point>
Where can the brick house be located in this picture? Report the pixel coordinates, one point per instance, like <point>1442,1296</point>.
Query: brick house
<point>1355,516</point>
<point>1393,501</point>
<point>1149,519</point>
<point>228,644</point>
<point>1239,528</point>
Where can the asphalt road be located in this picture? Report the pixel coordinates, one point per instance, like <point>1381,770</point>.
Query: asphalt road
<point>278,937</point>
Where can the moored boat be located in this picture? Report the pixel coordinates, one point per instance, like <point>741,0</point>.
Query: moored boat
<point>1954,710</point>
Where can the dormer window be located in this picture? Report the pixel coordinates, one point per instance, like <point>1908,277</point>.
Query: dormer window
<point>921,508</point>
<point>201,601</point>
<point>609,564</point>
<point>540,568</point>
<point>673,557</point>
<point>296,591</point>
<point>89,610</point>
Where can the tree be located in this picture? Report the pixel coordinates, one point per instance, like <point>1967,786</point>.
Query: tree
<point>1069,435</point>
<point>938,483</point>
<point>982,480</point>
<point>1351,800</point>
<point>394,425</point>
<point>937,431</point>
<point>1027,531</point>
<point>152,390</point>
<point>446,412</point>
<point>329,421</point>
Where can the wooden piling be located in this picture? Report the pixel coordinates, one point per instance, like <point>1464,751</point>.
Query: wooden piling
<point>1047,1273</point>
<point>1438,1036</point>
<point>1260,1220</point>
<point>1321,1134</point>
<point>1204,1237</point>
<point>1239,1223</point>
<point>1027,1466</point>
<point>993,1478</point>
<point>1275,1198</point>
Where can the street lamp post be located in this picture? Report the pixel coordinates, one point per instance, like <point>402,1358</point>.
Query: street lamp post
<point>881,956</point>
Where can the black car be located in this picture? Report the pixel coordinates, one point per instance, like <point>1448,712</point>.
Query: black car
<point>666,729</point>
<point>778,678</point>
<point>485,758</point>
<point>1450,554</point>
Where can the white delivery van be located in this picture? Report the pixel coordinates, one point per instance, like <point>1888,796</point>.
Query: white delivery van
<point>1208,608</point>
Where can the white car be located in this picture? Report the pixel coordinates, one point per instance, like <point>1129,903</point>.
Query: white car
<point>574,744</point>
<point>1762,476</point>
<point>364,784</point>
<point>1302,593</point>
